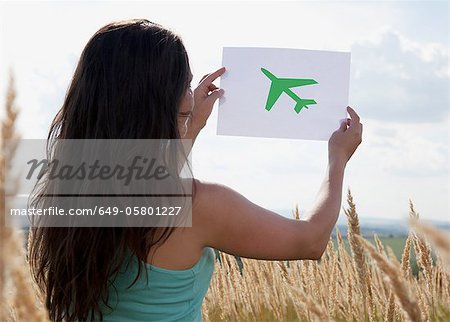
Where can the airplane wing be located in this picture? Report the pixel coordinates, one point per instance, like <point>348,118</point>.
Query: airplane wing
<point>274,93</point>
<point>292,82</point>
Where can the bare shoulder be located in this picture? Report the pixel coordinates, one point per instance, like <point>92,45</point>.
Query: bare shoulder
<point>208,194</point>
<point>226,220</point>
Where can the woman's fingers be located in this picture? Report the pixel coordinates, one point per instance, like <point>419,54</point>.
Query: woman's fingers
<point>212,87</point>
<point>201,80</point>
<point>215,95</point>
<point>355,126</point>
<point>354,116</point>
<point>208,79</point>
<point>343,125</point>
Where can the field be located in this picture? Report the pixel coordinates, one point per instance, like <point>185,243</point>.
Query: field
<point>396,243</point>
<point>355,280</point>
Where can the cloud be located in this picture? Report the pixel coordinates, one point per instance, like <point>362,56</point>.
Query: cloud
<point>398,80</point>
<point>407,150</point>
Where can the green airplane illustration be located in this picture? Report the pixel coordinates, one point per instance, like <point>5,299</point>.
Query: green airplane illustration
<point>280,85</point>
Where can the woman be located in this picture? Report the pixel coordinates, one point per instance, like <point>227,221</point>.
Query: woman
<point>133,82</point>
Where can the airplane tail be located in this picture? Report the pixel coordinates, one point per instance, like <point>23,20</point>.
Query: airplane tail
<point>303,103</point>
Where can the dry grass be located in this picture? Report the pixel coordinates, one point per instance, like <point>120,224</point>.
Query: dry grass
<point>18,301</point>
<point>366,284</point>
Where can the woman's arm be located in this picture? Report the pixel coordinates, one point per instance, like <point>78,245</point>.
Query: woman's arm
<point>231,223</point>
<point>225,220</point>
<point>341,147</point>
<point>325,211</point>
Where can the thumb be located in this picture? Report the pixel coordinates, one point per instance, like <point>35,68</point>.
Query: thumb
<point>215,94</point>
<point>343,125</point>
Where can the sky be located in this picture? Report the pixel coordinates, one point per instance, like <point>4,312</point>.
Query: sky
<point>399,86</point>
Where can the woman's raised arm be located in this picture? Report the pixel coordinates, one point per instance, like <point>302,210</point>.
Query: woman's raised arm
<point>227,221</point>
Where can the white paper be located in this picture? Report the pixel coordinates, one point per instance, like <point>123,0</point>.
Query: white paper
<point>242,109</point>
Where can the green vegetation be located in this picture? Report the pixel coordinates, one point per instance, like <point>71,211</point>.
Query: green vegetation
<point>396,243</point>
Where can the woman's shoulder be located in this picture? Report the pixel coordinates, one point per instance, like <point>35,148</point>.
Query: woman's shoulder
<point>205,190</point>
<point>207,203</point>
<point>210,194</point>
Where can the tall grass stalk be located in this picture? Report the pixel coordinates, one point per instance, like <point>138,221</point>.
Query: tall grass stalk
<point>18,300</point>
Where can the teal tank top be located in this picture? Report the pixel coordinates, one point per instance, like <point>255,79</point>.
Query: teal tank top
<point>167,295</point>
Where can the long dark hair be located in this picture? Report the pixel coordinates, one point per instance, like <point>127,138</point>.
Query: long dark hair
<point>129,83</point>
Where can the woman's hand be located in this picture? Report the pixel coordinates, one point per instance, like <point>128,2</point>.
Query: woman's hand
<point>344,141</point>
<point>205,95</point>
